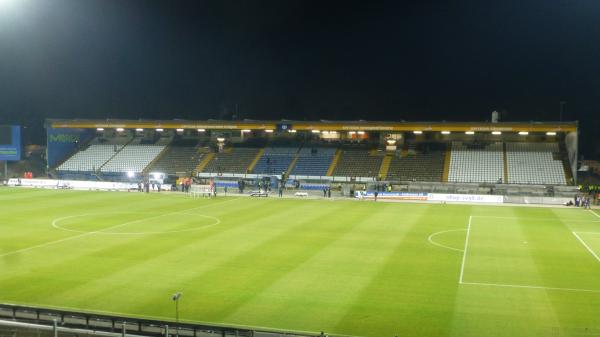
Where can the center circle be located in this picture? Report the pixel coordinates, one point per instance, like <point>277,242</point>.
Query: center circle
<point>134,223</point>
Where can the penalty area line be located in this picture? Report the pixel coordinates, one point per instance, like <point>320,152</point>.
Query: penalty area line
<point>530,287</point>
<point>464,258</point>
<point>596,214</point>
<point>587,247</point>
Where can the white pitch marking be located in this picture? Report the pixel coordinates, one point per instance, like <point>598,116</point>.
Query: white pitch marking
<point>430,239</point>
<point>596,214</point>
<point>525,218</point>
<point>462,265</point>
<point>530,287</point>
<point>55,224</point>
<point>90,233</point>
<point>587,247</point>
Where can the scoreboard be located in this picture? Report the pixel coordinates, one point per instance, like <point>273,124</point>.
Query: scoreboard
<point>10,143</point>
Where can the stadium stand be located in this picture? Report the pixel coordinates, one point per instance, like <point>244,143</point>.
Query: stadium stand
<point>133,158</point>
<point>91,158</point>
<point>476,163</point>
<point>358,163</point>
<point>423,164</point>
<point>177,159</point>
<point>275,160</point>
<point>313,161</point>
<point>535,163</point>
<point>232,160</point>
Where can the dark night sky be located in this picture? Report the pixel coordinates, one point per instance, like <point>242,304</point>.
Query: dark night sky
<point>423,60</point>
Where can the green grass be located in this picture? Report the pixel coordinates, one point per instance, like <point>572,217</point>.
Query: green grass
<point>344,267</point>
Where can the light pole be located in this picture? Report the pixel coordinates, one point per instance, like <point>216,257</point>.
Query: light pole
<point>176,298</point>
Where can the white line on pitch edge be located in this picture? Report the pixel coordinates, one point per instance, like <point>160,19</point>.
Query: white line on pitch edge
<point>596,214</point>
<point>587,247</point>
<point>533,218</point>
<point>100,231</point>
<point>462,265</point>
<point>529,287</point>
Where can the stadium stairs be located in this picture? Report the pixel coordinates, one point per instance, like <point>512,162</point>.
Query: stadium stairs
<point>205,160</point>
<point>336,159</point>
<point>256,159</point>
<point>356,162</point>
<point>422,162</point>
<point>231,160</point>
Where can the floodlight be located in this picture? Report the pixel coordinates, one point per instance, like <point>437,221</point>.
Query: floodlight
<point>417,132</point>
<point>469,132</point>
<point>523,133</point>
<point>159,130</point>
<point>120,129</point>
<point>269,131</point>
<point>550,133</point>
<point>139,130</point>
<point>315,131</point>
<point>246,130</point>
<point>220,139</point>
<point>350,133</point>
<point>496,133</point>
<point>445,132</point>
<point>201,130</point>
<point>100,129</point>
<point>361,132</point>
<point>179,130</point>
<point>292,131</point>
<point>130,174</point>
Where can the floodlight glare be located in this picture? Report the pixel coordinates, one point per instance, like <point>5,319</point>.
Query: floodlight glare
<point>139,130</point>
<point>315,131</point>
<point>469,132</point>
<point>417,132</point>
<point>130,174</point>
<point>445,132</point>
<point>523,133</point>
<point>179,130</point>
<point>100,129</point>
<point>201,130</point>
<point>246,130</point>
<point>159,130</point>
<point>361,132</point>
<point>550,133</point>
<point>269,131</point>
<point>120,129</point>
<point>496,133</point>
<point>292,131</point>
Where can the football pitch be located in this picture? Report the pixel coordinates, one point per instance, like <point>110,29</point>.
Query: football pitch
<point>345,267</point>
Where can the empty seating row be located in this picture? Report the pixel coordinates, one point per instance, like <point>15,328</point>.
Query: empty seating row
<point>134,158</point>
<point>534,163</point>
<point>476,163</point>
<point>314,161</point>
<point>91,158</point>
<point>235,160</point>
<point>419,166</point>
<point>358,163</point>
<point>178,159</point>
<point>275,160</point>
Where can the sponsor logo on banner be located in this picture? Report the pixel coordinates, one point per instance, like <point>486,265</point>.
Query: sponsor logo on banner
<point>392,195</point>
<point>476,198</point>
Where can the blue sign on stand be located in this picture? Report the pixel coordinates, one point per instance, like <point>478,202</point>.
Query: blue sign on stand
<point>10,143</point>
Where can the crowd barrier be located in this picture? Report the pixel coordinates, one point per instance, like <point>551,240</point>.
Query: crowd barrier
<point>471,198</point>
<point>77,184</point>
